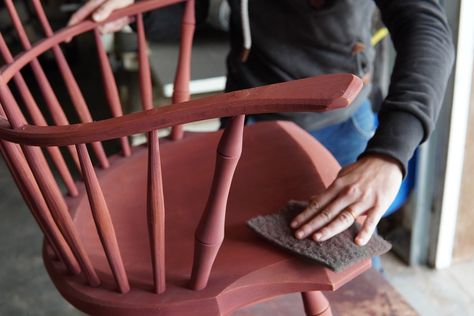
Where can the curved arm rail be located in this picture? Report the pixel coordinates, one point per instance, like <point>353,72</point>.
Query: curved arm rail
<point>316,94</point>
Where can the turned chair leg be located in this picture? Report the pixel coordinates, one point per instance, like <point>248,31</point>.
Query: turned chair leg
<point>316,304</point>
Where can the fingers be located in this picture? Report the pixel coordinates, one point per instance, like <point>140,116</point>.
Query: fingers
<point>106,9</point>
<point>368,185</point>
<point>341,222</point>
<point>369,226</point>
<point>114,26</point>
<point>100,10</point>
<point>316,204</point>
<point>325,216</point>
<point>84,12</point>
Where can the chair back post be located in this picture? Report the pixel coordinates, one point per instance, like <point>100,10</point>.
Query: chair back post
<point>49,188</point>
<point>74,91</point>
<point>183,71</point>
<point>38,119</point>
<point>210,231</point>
<point>155,196</point>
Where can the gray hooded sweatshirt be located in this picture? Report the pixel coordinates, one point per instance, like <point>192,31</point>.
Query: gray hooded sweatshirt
<point>293,39</point>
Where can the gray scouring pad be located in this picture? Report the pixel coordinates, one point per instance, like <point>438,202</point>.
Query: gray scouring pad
<point>336,253</point>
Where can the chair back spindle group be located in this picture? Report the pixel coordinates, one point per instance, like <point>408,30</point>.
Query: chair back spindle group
<point>32,195</point>
<point>72,86</point>
<point>47,91</point>
<point>36,180</point>
<point>38,119</point>
<point>48,187</point>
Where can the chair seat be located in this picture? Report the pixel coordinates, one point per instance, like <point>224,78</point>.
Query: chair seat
<point>290,164</point>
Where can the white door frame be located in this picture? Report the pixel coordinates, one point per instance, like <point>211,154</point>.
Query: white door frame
<point>448,146</point>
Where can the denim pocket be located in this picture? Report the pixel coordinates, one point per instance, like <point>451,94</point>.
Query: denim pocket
<point>364,120</point>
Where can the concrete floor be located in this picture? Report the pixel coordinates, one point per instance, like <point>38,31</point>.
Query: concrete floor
<point>25,288</point>
<point>434,292</point>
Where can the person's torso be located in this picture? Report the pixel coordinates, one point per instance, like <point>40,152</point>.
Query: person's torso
<point>294,39</point>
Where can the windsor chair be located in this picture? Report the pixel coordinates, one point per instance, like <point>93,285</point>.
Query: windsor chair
<point>106,235</point>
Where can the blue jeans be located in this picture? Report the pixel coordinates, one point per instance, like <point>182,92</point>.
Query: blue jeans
<point>348,139</point>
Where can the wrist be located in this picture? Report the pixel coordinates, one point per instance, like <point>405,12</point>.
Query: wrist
<point>384,159</point>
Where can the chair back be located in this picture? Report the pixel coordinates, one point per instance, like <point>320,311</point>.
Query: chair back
<point>34,174</point>
<point>26,135</point>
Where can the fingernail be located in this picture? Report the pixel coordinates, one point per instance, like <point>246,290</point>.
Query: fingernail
<point>360,241</point>
<point>299,234</point>
<point>318,236</point>
<point>293,224</point>
<point>97,16</point>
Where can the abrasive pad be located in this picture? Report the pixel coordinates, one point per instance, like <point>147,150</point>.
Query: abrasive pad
<point>336,253</point>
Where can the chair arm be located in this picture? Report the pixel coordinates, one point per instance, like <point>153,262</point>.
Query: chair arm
<point>316,94</point>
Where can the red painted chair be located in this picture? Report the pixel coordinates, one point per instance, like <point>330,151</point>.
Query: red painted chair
<point>108,248</point>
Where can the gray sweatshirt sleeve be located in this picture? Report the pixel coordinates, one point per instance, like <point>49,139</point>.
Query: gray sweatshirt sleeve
<point>425,55</point>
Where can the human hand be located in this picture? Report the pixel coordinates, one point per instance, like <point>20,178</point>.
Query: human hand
<point>366,187</point>
<point>99,10</point>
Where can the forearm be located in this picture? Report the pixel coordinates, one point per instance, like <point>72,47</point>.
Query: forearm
<point>425,55</point>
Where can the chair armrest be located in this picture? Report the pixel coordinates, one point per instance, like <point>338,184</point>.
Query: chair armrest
<point>316,94</point>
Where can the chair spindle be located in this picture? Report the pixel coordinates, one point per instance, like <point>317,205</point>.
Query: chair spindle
<point>49,189</point>
<point>183,70</point>
<point>111,91</point>
<point>210,231</point>
<point>102,220</point>
<point>7,155</point>
<point>47,91</point>
<point>75,93</point>
<point>17,119</point>
<point>39,119</point>
<point>155,197</point>
<point>146,88</point>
